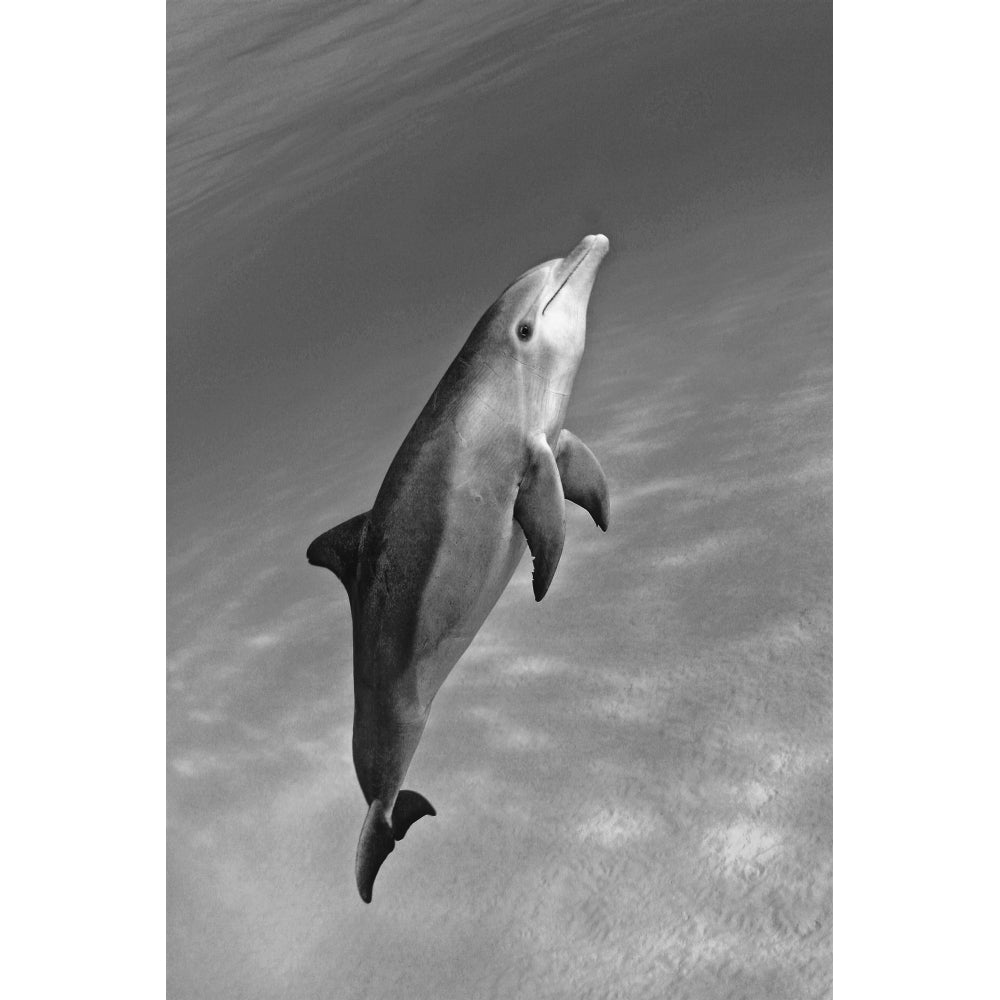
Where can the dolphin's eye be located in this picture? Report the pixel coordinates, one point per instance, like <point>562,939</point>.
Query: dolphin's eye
<point>524,331</point>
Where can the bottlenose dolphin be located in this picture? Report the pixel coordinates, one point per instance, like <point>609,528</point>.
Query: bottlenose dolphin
<point>484,470</point>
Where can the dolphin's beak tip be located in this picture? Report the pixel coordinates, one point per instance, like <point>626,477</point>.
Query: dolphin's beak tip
<point>600,243</point>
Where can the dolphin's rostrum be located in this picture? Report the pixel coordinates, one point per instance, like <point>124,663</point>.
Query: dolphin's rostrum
<point>485,469</point>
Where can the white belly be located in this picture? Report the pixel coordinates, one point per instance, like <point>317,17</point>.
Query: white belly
<point>458,601</point>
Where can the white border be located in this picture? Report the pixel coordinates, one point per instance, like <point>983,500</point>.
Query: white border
<point>83,411</point>
<point>915,509</point>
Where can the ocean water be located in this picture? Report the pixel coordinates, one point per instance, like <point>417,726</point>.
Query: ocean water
<point>633,777</point>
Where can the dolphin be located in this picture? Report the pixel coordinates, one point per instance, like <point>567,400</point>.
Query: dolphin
<point>483,472</point>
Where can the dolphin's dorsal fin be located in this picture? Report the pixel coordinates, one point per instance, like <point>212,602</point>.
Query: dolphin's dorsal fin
<point>541,511</point>
<point>339,548</point>
<point>582,478</point>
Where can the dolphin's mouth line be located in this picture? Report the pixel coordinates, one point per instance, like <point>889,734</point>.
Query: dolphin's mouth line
<point>568,276</point>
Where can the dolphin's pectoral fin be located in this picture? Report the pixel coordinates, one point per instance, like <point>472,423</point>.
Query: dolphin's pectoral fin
<point>583,479</point>
<point>374,846</point>
<point>409,807</point>
<point>541,511</point>
<point>338,549</point>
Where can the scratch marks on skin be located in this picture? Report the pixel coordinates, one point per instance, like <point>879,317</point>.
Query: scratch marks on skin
<point>482,399</point>
<point>534,371</point>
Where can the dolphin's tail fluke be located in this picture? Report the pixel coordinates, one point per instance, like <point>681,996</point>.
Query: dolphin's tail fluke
<point>374,846</point>
<point>409,807</point>
<point>379,835</point>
